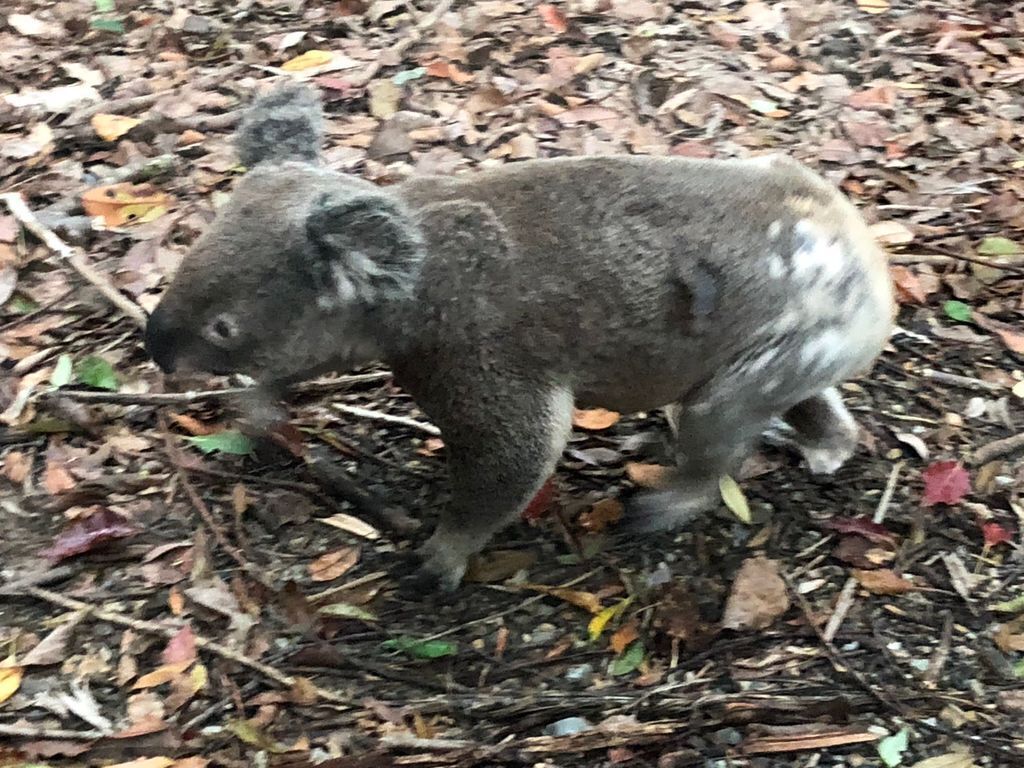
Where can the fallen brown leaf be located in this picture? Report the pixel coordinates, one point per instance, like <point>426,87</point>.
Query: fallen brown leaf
<point>758,596</point>
<point>331,565</point>
<point>883,581</point>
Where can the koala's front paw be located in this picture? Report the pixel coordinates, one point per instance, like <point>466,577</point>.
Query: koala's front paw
<point>666,509</point>
<point>436,567</point>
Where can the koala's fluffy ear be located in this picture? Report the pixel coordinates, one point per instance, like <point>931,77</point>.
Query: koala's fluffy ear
<point>367,246</point>
<point>285,124</point>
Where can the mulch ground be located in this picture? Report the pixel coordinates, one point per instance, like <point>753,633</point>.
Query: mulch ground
<point>236,605</point>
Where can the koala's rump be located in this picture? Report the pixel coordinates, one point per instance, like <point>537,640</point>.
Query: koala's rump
<point>645,281</point>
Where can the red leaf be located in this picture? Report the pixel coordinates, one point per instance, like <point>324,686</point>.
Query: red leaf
<point>87,534</point>
<point>541,502</point>
<point>945,482</point>
<point>553,17</point>
<point>995,534</point>
<point>863,526</point>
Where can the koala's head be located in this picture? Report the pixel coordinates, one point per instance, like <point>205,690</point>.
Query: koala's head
<point>295,273</point>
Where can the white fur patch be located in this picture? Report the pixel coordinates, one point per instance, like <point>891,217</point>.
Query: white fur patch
<point>824,351</point>
<point>776,267</point>
<point>819,256</point>
<point>775,229</point>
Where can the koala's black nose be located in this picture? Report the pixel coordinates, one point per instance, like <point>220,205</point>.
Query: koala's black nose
<point>161,341</point>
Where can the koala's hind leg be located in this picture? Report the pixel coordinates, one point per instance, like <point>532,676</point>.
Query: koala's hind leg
<point>821,429</point>
<point>709,444</point>
<point>499,455</point>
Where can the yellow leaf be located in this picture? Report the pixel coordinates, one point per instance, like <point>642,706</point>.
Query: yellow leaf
<point>601,619</point>
<point>10,681</point>
<point>113,127</point>
<point>199,677</point>
<point>734,499</point>
<point>307,60</point>
<point>873,6</point>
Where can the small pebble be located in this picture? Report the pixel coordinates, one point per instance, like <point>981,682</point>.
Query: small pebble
<point>580,675</point>
<point>567,726</point>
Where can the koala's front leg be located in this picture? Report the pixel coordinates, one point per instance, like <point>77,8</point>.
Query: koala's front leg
<point>821,428</point>
<point>500,453</point>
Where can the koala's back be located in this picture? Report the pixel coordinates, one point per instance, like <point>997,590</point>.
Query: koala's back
<point>641,281</point>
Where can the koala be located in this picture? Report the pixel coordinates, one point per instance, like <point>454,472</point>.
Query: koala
<point>730,293</point>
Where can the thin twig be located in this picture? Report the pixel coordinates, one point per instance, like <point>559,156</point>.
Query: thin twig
<point>835,657</point>
<point>941,655</point>
<point>57,734</point>
<point>20,210</point>
<point>366,413</point>
<point>152,628</point>
<point>998,448</point>
<point>950,254</point>
<point>189,398</point>
<point>848,592</point>
<point>960,381</point>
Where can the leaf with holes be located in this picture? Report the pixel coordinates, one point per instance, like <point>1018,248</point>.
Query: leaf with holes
<point>125,203</point>
<point>945,482</point>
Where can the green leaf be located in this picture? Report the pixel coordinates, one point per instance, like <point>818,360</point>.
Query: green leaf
<point>1010,606</point>
<point>62,371</point>
<point>734,499</point>
<point>97,372</point>
<point>346,611</point>
<point>957,310</point>
<point>998,246</point>
<point>410,74</point>
<point>421,649</point>
<point>891,748</point>
<point>228,441</point>
<point>1018,670</point>
<point>108,25</point>
<point>21,305</point>
<point>105,6</point>
<point>630,659</point>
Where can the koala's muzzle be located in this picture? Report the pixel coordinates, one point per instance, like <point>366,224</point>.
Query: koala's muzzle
<point>162,341</point>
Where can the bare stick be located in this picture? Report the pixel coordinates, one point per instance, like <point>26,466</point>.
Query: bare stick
<point>188,398</point>
<point>998,448</point>
<point>366,413</point>
<point>965,382</point>
<point>152,628</point>
<point>848,592</point>
<point>57,734</point>
<point>72,256</point>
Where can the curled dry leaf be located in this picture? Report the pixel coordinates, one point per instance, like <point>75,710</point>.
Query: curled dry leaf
<point>88,533</point>
<point>594,419</point>
<point>758,596</point>
<point>498,565</point>
<point>330,566</point>
<point>588,601</point>
<point>883,581</point>
<point>648,475</point>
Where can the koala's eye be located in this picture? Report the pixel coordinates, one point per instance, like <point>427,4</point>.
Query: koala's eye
<point>221,329</point>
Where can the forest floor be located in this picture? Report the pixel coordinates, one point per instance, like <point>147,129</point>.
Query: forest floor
<point>174,594</point>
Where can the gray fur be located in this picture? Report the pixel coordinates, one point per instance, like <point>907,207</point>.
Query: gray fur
<point>731,291</point>
<point>286,124</point>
